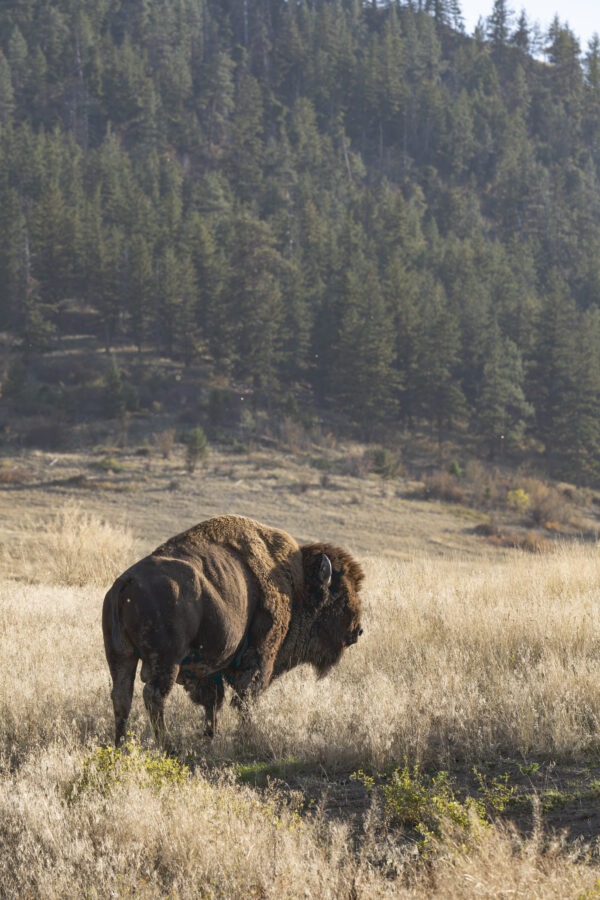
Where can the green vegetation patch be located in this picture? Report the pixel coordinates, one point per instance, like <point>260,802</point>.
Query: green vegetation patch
<point>107,767</point>
<point>258,774</point>
<point>427,803</point>
<point>109,464</point>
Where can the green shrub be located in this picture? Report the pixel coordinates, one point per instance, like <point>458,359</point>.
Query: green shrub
<point>519,500</point>
<point>427,804</point>
<point>107,767</point>
<point>386,462</point>
<point>196,444</point>
<point>455,469</point>
<point>109,464</point>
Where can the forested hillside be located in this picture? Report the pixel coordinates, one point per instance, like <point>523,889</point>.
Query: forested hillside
<point>344,208</point>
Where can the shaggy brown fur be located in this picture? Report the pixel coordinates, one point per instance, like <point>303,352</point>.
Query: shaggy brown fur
<point>233,599</point>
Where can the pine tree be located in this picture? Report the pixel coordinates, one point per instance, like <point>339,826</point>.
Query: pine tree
<point>576,423</point>
<point>563,52</point>
<point>51,248</point>
<point>591,125</point>
<point>247,331</point>
<point>245,156</point>
<point>498,23</point>
<point>439,395</point>
<point>7,94</point>
<point>199,243</point>
<point>17,53</point>
<point>196,444</point>
<point>109,288</point>
<point>551,364</point>
<point>176,292</point>
<point>521,36</point>
<point>15,260</point>
<point>365,382</point>
<point>502,410</point>
<point>141,299</point>
<point>216,101</point>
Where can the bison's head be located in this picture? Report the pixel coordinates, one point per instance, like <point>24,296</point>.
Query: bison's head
<point>332,580</point>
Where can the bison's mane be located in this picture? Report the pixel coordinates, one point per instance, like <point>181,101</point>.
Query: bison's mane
<point>341,560</point>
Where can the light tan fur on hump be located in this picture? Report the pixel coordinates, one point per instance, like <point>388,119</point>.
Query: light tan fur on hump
<point>272,554</point>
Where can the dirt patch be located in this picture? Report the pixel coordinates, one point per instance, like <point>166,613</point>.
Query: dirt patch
<point>564,797</point>
<point>157,497</point>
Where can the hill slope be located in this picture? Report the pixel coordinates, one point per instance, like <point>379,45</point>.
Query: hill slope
<point>332,207</point>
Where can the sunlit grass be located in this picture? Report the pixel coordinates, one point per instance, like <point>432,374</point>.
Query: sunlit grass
<point>461,660</point>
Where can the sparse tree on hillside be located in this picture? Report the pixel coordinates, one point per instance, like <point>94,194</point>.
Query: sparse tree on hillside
<point>498,23</point>
<point>521,36</point>
<point>196,444</point>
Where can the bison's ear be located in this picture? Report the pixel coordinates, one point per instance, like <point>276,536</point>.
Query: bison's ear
<point>325,570</point>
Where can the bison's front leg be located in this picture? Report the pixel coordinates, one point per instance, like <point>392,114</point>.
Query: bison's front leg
<point>246,678</point>
<point>252,673</point>
<point>209,693</point>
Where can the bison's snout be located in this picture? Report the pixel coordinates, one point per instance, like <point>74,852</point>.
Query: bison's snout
<point>354,636</point>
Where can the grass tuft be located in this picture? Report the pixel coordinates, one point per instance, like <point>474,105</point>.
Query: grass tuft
<point>72,548</point>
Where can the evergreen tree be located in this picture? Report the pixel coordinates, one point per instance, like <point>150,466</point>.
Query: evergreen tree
<point>196,444</point>
<point>498,23</point>
<point>245,157</point>
<point>577,423</point>
<point>502,410</point>
<point>17,54</point>
<point>50,235</point>
<point>553,355</point>
<point>251,304</point>
<point>141,299</point>
<point>365,382</point>
<point>521,36</point>
<point>15,260</point>
<point>176,291</point>
<point>7,95</point>
<point>216,101</point>
<point>591,127</point>
<point>108,289</point>
<point>438,391</point>
<point>563,52</point>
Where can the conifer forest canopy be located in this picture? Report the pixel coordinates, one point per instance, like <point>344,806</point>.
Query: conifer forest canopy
<point>352,203</point>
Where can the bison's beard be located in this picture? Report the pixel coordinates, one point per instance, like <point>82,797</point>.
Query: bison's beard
<point>325,651</point>
<point>318,643</point>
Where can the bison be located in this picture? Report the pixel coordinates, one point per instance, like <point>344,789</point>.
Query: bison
<point>228,600</point>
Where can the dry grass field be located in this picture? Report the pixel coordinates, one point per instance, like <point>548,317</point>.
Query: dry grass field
<point>455,751</point>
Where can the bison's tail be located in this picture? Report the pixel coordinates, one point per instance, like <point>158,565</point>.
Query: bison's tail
<point>115,598</point>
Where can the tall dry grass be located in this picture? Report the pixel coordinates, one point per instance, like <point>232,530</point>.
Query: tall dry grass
<point>70,547</point>
<point>460,660</point>
<point>214,838</point>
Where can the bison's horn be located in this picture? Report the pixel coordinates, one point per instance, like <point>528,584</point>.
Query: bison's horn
<point>325,570</point>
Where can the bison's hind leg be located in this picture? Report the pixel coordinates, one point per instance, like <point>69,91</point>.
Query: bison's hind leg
<point>122,670</point>
<point>156,690</point>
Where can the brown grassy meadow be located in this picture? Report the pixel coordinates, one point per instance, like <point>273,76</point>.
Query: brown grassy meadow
<point>469,658</point>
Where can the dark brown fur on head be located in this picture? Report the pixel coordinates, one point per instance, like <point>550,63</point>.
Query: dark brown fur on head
<point>336,605</point>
